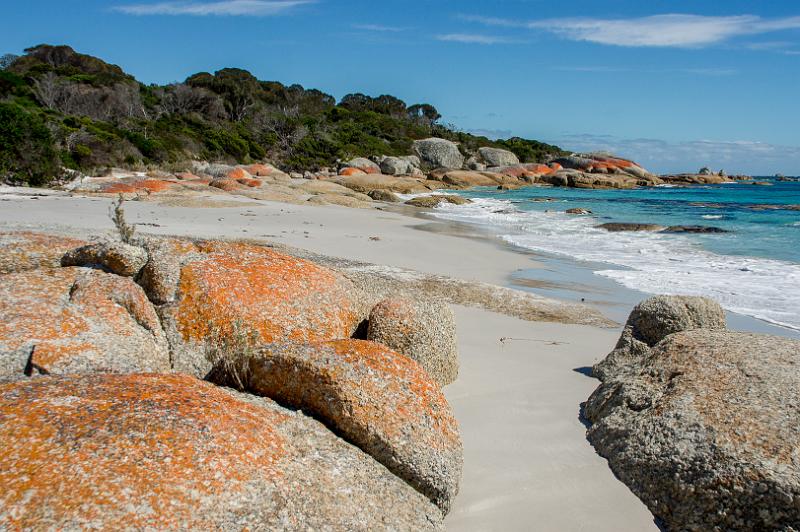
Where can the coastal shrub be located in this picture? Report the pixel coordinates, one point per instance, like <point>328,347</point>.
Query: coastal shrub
<point>78,111</point>
<point>27,154</point>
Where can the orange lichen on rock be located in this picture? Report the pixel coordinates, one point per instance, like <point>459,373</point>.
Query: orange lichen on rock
<point>278,296</point>
<point>248,182</point>
<point>238,173</point>
<point>616,161</point>
<point>121,452</point>
<point>134,186</point>
<point>25,250</point>
<point>260,170</point>
<point>78,320</point>
<point>346,172</point>
<point>539,169</point>
<point>226,184</point>
<point>186,176</point>
<point>376,398</point>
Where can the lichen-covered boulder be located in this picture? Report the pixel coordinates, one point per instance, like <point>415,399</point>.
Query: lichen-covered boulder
<point>380,400</point>
<point>132,186</point>
<point>438,153</point>
<point>342,200</point>
<point>654,319</point>
<point>465,178</point>
<point>498,157</point>
<point>366,183</point>
<point>170,452</point>
<point>26,250</point>
<point>238,173</point>
<point>704,429</point>
<point>226,183</point>
<point>117,257</point>
<point>399,165</point>
<point>346,172</point>
<point>424,330</point>
<point>363,164</point>
<point>657,317</point>
<point>384,195</point>
<point>77,320</point>
<point>261,170</point>
<point>432,201</point>
<point>209,289</point>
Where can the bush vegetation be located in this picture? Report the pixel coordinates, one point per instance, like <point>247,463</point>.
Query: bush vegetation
<point>62,109</point>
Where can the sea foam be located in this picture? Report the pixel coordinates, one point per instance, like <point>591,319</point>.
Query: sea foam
<point>650,262</point>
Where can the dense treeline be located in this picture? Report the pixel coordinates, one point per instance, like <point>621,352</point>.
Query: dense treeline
<point>61,109</point>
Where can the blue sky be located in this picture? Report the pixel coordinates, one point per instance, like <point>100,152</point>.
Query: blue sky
<point>674,84</point>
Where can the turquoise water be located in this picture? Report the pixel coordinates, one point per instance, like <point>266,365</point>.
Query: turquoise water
<point>753,269</point>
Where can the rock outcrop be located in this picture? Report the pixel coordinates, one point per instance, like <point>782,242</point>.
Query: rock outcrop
<point>384,195</point>
<point>117,257</point>
<point>366,183</point>
<point>617,227</point>
<point>653,320</point>
<point>380,400</point>
<point>466,178</point>
<point>209,289</point>
<point>24,250</point>
<point>432,201</point>
<point>703,427</point>
<point>342,200</point>
<point>423,330</point>
<point>400,165</point>
<point>497,157</point>
<point>363,164</point>
<point>168,452</point>
<point>77,320</point>
<point>438,153</point>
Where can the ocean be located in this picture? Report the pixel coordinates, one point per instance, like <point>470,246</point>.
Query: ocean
<point>753,269</point>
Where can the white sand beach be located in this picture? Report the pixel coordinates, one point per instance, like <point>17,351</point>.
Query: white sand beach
<point>527,464</point>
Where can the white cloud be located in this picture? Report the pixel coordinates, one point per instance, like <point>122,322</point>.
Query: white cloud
<point>471,38</point>
<point>673,30</point>
<point>378,28</point>
<point>743,156</point>
<point>614,70</point>
<point>222,7</point>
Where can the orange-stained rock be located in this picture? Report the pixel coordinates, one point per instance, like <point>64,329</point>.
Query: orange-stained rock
<point>135,186</point>
<point>210,287</point>
<point>540,168</point>
<point>260,170</point>
<point>249,182</point>
<point>186,176</point>
<point>25,250</point>
<point>169,452</point>
<point>238,173</point>
<point>77,320</point>
<point>351,171</point>
<point>380,400</point>
<point>226,184</point>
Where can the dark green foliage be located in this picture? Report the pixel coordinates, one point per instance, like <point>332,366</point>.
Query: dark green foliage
<point>63,108</point>
<point>26,147</point>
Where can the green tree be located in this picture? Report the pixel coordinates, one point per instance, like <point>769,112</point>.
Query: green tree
<point>27,154</point>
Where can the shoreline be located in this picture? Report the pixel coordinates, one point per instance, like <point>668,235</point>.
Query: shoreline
<point>568,279</point>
